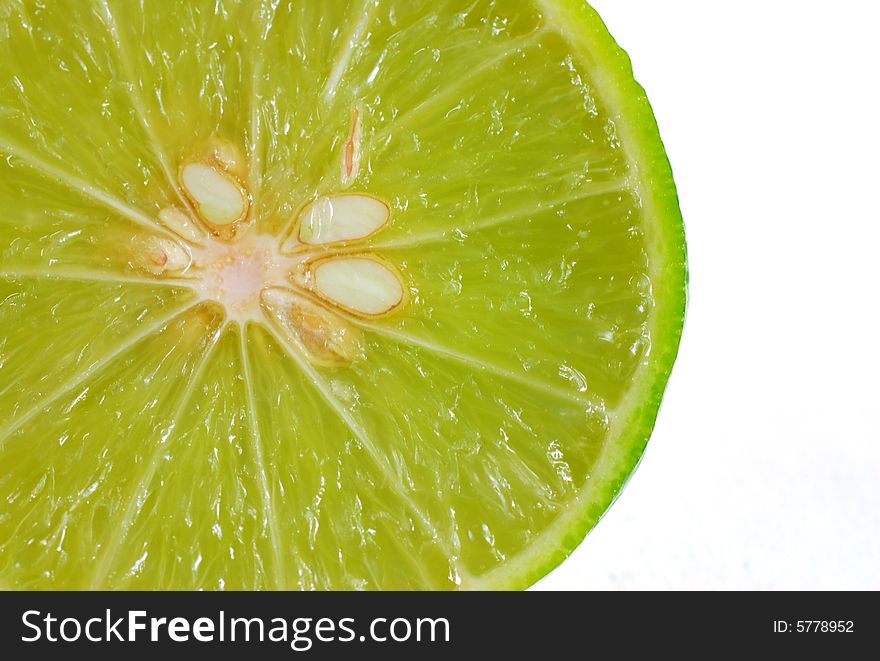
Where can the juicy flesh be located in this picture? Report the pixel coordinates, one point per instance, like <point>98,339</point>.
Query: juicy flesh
<point>212,421</point>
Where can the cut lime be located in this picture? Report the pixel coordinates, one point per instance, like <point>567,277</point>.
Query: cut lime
<point>373,294</point>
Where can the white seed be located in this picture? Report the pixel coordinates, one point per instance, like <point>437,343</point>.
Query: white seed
<point>159,255</point>
<point>362,285</point>
<point>219,199</point>
<point>180,223</point>
<point>342,218</point>
<point>326,338</point>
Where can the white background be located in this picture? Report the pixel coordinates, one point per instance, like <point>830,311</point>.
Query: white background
<point>764,469</point>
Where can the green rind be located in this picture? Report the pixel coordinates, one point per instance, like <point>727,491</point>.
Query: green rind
<point>615,85</point>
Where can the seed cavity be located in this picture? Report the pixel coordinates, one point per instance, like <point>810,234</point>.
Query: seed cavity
<point>352,157</point>
<point>160,256</point>
<point>181,224</point>
<point>325,338</point>
<point>226,155</point>
<point>218,197</point>
<point>342,218</point>
<point>363,285</point>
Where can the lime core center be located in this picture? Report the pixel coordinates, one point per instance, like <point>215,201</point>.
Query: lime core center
<point>310,286</point>
<point>235,274</point>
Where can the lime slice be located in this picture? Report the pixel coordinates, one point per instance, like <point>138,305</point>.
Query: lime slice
<point>369,294</point>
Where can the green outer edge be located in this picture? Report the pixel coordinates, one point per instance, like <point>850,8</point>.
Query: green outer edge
<point>627,103</point>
